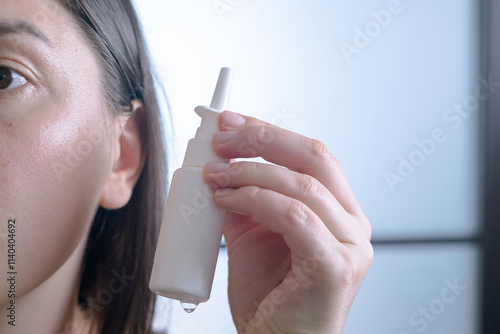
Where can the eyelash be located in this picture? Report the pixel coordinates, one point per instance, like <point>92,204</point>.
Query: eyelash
<point>17,79</point>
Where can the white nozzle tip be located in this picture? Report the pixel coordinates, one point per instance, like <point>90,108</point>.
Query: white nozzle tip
<point>222,90</point>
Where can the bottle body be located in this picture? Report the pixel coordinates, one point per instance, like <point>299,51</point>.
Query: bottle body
<point>191,231</point>
<point>189,240</point>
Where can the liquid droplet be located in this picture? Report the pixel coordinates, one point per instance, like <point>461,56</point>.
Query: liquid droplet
<point>189,307</point>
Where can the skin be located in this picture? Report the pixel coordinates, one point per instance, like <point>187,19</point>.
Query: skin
<point>64,152</point>
<point>51,191</point>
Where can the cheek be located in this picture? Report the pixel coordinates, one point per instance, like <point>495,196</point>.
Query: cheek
<point>52,174</point>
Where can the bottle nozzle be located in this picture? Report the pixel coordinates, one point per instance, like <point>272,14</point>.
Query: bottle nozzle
<point>221,94</point>
<point>199,150</point>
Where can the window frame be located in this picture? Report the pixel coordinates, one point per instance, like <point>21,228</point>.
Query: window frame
<point>490,124</point>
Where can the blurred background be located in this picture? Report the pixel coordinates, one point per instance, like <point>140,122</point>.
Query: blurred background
<point>395,88</point>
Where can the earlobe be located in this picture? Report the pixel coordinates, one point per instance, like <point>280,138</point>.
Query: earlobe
<point>116,193</point>
<point>129,158</point>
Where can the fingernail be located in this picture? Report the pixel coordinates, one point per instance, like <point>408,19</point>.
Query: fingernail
<point>223,137</point>
<point>223,192</point>
<point>215,167</point>
<point>232,119</point>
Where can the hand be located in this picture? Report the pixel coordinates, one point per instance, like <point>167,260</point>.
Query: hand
<point>298,242</point>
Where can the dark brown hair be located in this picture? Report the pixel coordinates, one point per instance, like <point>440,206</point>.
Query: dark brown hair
<point>120,247</point>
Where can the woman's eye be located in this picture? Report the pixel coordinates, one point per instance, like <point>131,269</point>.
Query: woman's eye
<point>10,79</point>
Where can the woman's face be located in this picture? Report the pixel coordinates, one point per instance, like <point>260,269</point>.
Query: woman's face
<point>55,147</point>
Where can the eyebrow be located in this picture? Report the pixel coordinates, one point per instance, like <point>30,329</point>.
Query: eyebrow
<point>22,27</point>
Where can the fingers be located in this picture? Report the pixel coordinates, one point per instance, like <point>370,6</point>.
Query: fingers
<point>301,228</point>
<point>246,137</point>
<point>301,187</point>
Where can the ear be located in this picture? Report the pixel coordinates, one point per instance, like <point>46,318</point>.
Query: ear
<point>128,159</point>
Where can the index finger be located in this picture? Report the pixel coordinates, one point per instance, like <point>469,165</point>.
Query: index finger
<point>248,137</point>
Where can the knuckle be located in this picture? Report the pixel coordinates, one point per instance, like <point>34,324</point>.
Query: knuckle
<point>296,213</point>
<point>266,134</point>
<point>319,150</point>
<point>346,271</point>
<point>352,266</point>
<point>308,185</point>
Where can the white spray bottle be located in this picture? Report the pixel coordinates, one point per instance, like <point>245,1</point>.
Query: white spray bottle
<point>191,232</point>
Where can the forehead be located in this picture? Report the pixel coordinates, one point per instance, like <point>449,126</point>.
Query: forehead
<point>48,20</point>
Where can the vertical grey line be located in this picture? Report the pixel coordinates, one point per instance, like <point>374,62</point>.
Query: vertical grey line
<point>490,127</point>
